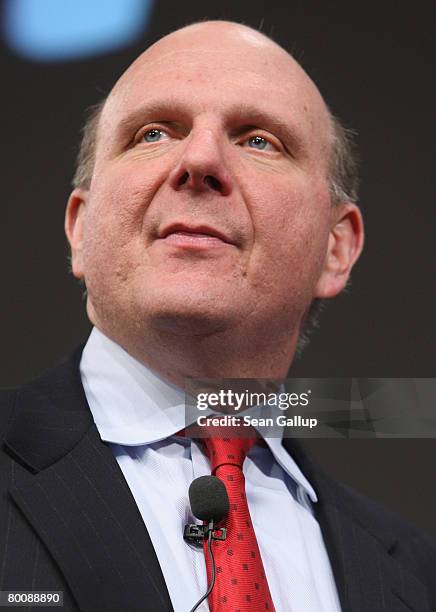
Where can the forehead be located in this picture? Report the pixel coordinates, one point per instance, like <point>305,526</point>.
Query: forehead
<point>211,68</point>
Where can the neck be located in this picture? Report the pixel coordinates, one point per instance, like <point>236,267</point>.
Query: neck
<point>220,354</point>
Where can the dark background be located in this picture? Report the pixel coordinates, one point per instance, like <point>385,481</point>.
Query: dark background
<point>374,67</point>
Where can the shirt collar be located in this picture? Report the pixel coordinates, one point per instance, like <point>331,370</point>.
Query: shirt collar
<point>131,405</point>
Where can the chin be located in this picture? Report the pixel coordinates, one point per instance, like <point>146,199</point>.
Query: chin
<point>189,321</point>
<point>182,309</point>
<point>185,312</point>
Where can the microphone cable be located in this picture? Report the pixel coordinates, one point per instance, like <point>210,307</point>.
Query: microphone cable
<point>212,558</point>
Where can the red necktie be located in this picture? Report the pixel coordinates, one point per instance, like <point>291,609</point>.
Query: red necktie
<point>241,584</point>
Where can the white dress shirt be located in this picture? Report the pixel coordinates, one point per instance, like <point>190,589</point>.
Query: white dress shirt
<point>138,413</point>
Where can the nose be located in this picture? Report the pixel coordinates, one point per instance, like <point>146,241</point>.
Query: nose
<point>202,167</point>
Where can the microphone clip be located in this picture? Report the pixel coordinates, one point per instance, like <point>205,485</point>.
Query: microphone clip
<point>197,534</point>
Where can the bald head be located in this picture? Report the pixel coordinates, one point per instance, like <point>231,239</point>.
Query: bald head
<point>223,39</point>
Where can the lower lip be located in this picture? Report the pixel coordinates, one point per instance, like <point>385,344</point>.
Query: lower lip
<point>187,240</point>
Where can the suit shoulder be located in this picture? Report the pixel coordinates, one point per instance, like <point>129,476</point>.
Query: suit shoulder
<point>62,380</point>
<point>412,543</point>
<point>384,523</point>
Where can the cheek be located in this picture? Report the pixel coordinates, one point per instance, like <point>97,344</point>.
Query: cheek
<point>292,228</point>
<point>119,199</point>
<point>113,239</point>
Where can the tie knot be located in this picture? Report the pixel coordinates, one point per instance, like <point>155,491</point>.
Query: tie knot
<point>230,449</point>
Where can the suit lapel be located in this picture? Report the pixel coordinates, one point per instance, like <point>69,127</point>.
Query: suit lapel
<point>75,497</point>
<point>367,576</point>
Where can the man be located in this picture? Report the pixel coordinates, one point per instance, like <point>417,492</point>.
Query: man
<point>208,216</point>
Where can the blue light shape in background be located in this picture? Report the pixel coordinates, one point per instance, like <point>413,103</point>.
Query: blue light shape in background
<point>65,30</point>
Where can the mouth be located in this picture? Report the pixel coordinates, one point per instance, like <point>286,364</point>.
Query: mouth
<point>198,236</point>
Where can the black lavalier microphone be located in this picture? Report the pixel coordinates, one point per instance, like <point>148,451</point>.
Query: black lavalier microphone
<point>209,502</point>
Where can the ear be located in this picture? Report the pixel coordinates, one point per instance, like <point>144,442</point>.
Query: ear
<point>75,216</point>
<point>344,247</point>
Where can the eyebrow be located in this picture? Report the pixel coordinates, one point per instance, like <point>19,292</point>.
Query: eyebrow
<point>152,109</point>
<point>246,115</point>
<point>253,116</point>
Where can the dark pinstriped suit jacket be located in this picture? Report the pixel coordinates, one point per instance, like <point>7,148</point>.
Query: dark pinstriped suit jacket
<point>68,520</point>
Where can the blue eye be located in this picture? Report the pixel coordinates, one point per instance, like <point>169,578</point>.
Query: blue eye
<point>153,135</point>
<point>257,142</point>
